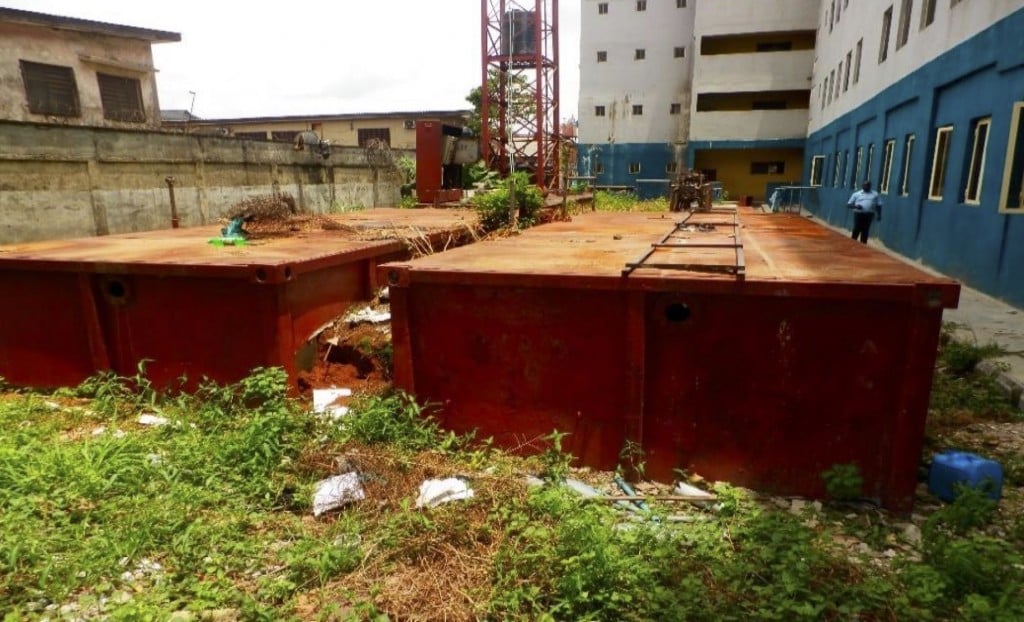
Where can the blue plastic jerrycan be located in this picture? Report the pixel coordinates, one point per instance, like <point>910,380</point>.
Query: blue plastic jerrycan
<point>960,467</point>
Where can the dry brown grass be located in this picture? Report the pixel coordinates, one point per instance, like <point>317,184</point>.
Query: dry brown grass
<point>419,564</point>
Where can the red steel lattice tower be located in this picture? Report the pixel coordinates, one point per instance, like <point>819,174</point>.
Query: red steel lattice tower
<point>519,88</point>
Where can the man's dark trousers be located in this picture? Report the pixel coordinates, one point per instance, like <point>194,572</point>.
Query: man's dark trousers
<point>861,225</point>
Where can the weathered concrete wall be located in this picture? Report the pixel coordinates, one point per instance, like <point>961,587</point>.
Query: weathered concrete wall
<point>61,182</point>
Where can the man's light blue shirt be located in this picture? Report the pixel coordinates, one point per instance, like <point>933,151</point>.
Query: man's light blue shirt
<point>866,201</point>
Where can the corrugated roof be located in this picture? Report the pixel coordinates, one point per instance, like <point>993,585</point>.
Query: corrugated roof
<point>337,117</point>
<point>86,25</point>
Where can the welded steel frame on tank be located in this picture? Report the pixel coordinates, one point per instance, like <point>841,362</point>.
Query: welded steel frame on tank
<point>519,42</point>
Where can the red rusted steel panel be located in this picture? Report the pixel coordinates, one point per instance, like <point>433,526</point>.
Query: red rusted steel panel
<point>821,354</point>
<point>76,307</point>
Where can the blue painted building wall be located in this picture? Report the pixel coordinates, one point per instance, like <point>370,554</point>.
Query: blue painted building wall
<point>616,158</point>
<point>981,77</point>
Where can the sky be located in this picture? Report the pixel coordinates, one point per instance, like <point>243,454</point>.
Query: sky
<point>247,59</point>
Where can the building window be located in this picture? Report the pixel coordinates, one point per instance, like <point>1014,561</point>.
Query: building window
<point>836,169</point>
<point>674,108</point>
<point>774,46</point>
<point>883,48</point>
<point>641,5</point>
<point>287,136</point>
<point>1013,175</point>
<point>251,135</point>
<point>976,167</point>
<point>828,84</point>
<point>638,109</point>
<point>602,8</point>
<point>903,34</point>
<point>817,167</point>
<point>767,168</point>
<point>908,148</point>
<point>856,61</point>
<point>380,133</point>
<point>768,104</point>
<point>121,98</point>
<point>839,77</point>
<point>598,111</point>
<point>883,181</point>
<point>680,4</point>
<point>824,89</point>
<point>50,89</point>
<point>846,75</point>
<point>928,13</point>
<point>640,54</point>
<point>953,3</point>
<point>855,177</point>
<point>672,167</point>
<point>597,168</point>
<point>602,56</point>
<point>940,162</point>
<point>871,160</point>
<point>679,51</point>
<point>634,168</point>
<point>839,11</point>
<point>832,16</point>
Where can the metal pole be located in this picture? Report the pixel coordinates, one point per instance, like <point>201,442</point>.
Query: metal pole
<point>174,206</point>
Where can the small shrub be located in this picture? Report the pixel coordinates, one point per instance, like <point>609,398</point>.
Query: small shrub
<point>397,420</point>
<point>843,482</point>
<point>495,206</point>
<point>971,509</point>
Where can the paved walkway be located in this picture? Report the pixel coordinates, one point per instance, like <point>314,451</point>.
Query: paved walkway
<point>981,320</point>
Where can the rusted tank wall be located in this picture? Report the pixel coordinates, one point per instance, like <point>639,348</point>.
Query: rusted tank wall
<point>63,182</point>
<point>822,354</point>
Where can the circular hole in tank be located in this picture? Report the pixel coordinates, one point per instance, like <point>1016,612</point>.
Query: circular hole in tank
<point>261,275</point>
<point>117,290</point>
<point>677,312</point>
<point>287,273</point>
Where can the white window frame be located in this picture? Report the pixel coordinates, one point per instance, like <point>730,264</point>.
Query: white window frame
<point>978,124</point>
<point>846,74</point>
<point>817,170</point>
<point>928,8</point>
<point>1016,126</point>
<point>870,161</point>
<point>883,46</point>
<point>903,29</point>
<point>837,178</point>
<point>856,66</point>
<point>938,175</point>
<point>908,149</point>
<point>883,181</point>
<point>855,178</point>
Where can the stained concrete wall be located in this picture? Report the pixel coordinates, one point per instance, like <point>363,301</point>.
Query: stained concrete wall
<point>63,182</point>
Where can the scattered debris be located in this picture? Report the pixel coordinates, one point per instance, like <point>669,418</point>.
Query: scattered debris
<point>367,315</point>
<point>324,402</point>
<point>434,492</point>
<point>692,491</point>
<point>151,419</point>
<point>338,491</point>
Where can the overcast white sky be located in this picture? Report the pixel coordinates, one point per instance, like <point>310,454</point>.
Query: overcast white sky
<point>247,59</point>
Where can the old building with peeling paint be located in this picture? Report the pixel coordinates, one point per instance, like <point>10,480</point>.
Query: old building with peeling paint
<point>70,71</point>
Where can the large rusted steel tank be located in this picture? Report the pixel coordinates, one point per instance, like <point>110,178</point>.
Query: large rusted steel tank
<point>757,349</point>
<point>191,309</point>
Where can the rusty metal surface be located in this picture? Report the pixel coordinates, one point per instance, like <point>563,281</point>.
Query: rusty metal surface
<point>76,307</point>
<point>778,249</point>
<point>822,355</point>
<point>363,230</point>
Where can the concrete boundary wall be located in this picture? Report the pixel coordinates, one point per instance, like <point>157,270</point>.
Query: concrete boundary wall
<point>62,182</point>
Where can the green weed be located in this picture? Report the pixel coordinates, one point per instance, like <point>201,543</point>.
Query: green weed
<point>605,201</point>
<point>843,482</point>
<point>495,206</point>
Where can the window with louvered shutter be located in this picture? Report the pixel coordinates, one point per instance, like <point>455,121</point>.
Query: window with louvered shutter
<point>366,135</point>
<point>122,98</point>
<point>50,89</point>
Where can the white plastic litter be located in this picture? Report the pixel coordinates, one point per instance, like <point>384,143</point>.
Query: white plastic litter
<point>368,315</point>
<point>434,492</point>
<point>335,492</point>
<point>323,400</point>
<point>148,419</point>
<point>686,489</point>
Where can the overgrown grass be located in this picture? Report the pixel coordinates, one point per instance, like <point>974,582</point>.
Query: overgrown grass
<point>960,391</point>
<point>105,517</point>
<point>605,201</point>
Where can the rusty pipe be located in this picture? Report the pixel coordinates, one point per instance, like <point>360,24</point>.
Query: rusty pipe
<point>174,206</point>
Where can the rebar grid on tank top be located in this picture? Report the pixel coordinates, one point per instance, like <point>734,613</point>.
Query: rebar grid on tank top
<point>737,267</point>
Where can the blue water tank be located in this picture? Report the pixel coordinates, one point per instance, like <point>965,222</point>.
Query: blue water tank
<point>953,467</point>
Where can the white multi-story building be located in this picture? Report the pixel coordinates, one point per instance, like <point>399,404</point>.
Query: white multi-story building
<point>635,96</point>
<point>925,98</point>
